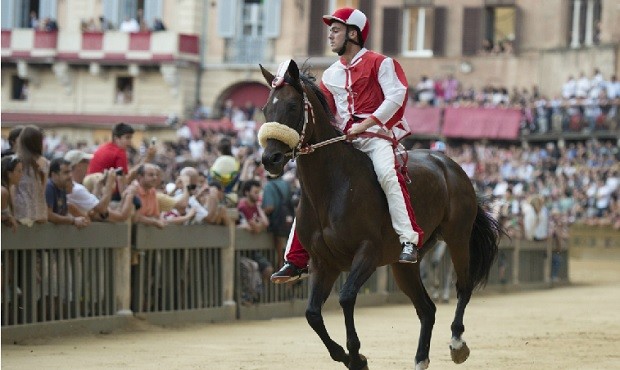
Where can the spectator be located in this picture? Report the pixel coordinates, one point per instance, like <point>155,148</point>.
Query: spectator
<point>12,139</point>
<point>30,203</point>
<point>158,25</point>
<point>129,25</point>
<point>113,155</point>
<point>56,195</point>
<point>33,20</point>
<point>146,182</point>
<point>276,194</point>
<point>86,202</point>
<point>118,211</point>
<point>11,175</point>
<point>225,170</point>
<point>253,218</point>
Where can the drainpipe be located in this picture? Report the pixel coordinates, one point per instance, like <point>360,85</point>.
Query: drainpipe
<point>202,49</point>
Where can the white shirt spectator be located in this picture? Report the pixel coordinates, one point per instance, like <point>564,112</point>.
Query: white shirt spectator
<point>197,149</point>
<point>613,89</point>
<point>129,25</point>
<point>569,89</point>
<point>82,198</point>
<point>184,132</point>
<point>583,87</point>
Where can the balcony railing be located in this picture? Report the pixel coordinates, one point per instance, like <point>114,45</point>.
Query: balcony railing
<point>105,47</point>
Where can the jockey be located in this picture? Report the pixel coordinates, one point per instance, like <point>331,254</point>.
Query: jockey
<point>368,92</point>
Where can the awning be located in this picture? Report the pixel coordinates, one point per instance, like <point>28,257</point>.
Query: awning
<point>423,120</point>
<point>219,125</point>
<point>481,123</point>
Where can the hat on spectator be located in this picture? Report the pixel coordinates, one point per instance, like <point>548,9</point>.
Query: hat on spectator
<point>75,156</point>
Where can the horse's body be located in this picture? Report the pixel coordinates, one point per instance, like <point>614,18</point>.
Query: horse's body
<point>344,223</point>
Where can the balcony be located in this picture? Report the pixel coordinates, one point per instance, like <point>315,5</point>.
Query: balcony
<point>100,47</point>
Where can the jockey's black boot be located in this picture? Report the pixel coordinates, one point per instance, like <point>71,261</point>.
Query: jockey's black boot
<point>409,253</point>
<point>289,272</point>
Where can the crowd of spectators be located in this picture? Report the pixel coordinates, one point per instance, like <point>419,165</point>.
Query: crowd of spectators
<point>585,104</point>
<point>129,24</point>
<point>537,191</point>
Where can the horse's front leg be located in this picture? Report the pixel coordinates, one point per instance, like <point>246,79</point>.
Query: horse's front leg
<point>321,283</point>
<point>362,268</point>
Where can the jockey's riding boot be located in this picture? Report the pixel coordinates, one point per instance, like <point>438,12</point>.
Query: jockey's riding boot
<point>289,272</point>
<point>409,253</point>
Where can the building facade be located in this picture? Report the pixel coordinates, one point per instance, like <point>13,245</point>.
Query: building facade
<point>83,63</point>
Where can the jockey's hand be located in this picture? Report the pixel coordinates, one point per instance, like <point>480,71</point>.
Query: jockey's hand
<point>360,128</point>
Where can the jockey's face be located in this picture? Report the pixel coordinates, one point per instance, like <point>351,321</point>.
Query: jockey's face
<point>337,33</point>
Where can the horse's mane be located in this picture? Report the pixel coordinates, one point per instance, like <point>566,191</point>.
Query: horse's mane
<point>308,80</point>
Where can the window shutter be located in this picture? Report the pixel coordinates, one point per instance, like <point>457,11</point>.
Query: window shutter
<point>8,10</point>
<point>391,31</point>
<point>47,8</point>
<point>226,18</point>
<point>111,12</point>
<point>366,7</point>
<point>439,31</point>
<point>518,27</point>
<point>472,31</point>
<point>273,14</point>
<point>152,9</point>
<point>316,41</point>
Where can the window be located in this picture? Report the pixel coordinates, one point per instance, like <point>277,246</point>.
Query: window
<point>144,11</point>
<point>418,32</point>
<point>584,22</point>
<point>124,90</point>
<point>491,30</point>
<point>251,19</point>
<point>19,88</point>
<point>501,29</point>
<point>28,13</point>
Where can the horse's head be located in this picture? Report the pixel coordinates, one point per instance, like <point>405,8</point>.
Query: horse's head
<point>286,117</point>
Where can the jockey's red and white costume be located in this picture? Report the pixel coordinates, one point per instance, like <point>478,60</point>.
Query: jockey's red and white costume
<point>371,85</point>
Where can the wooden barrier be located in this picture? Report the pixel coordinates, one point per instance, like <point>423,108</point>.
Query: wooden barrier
<point>599,242</point>
<point>53,274</point>
<point>58,279</point>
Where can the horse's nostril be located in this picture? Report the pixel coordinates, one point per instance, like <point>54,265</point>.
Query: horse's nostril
<point>276,157</point>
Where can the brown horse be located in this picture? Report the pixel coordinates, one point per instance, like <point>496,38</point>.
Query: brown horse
<point>343,219</point>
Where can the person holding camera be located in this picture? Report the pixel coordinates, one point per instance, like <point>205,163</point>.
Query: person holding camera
<point>114,155</point>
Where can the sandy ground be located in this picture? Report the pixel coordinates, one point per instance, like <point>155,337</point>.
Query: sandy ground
<point>576,327</point>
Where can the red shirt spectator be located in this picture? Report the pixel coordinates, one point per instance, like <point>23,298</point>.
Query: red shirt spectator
<point>108,155</point>
<point>114,153</point>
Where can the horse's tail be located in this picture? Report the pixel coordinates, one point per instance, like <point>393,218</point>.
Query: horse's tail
<point>483,245</point>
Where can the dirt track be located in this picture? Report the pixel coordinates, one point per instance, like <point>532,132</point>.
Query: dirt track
<point>576,327</point>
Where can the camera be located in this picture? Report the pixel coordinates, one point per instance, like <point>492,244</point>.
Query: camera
<point>119,171</point>
<point>191,187</point>
<point>153,140</point>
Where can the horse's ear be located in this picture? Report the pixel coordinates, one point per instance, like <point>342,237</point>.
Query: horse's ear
<point>268,76</point>
<point>293,72</point>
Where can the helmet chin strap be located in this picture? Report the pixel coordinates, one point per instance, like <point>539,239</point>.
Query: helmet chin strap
<point>344,45</point>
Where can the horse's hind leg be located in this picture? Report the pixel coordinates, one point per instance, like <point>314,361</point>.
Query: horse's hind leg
<point>460,260</point>
<point>408,279</point>
<point>321,283</point>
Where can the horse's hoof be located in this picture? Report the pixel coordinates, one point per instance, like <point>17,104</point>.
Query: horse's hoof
<point>422,365</point>
<point>362,365</point>
<point>460,354</point>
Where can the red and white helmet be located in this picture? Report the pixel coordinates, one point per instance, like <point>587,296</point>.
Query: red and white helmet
<point>350,17</point>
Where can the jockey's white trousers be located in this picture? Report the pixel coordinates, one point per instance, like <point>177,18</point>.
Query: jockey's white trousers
<point>383,159</point>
